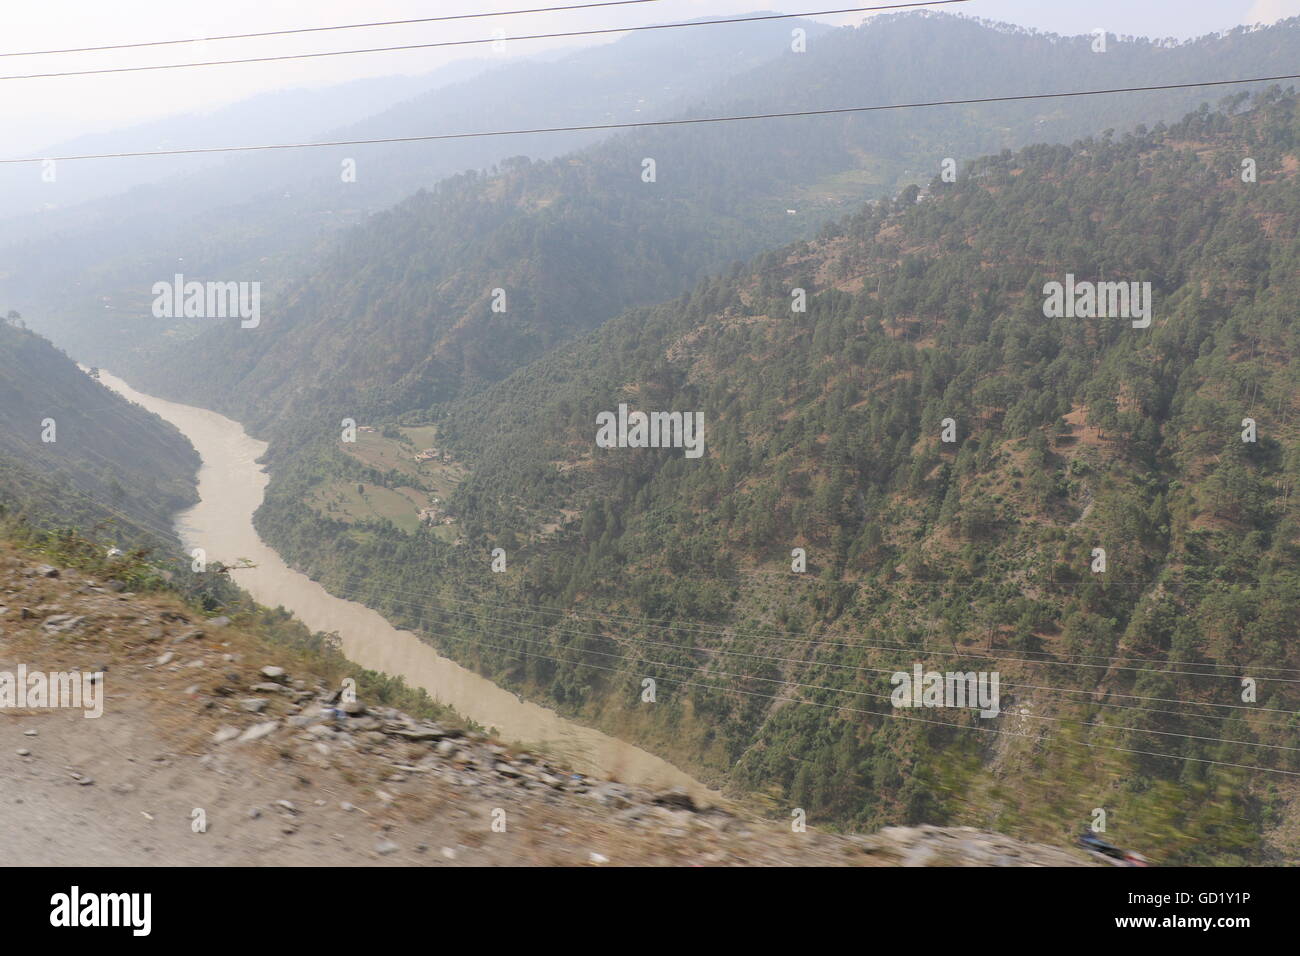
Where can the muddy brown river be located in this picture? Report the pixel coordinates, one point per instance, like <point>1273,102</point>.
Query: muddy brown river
<point>231,484</point>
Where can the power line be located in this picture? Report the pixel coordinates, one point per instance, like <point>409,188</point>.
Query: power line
<point>785,682</point>
<point>1097,580</point>
<point>972,654</point>
<point>881,670</point>
<point>799,637</point>
<point>482,40</point>
<point>555,628</point>
<point>892,714</point>
<point>786,638</point>
<point>812,663</point>
<point>724,652</point>
<point>861,693</point>
<point>842,110</point>
<point>345,26</point>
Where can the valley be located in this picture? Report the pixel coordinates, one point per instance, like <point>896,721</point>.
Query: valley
<point>221,524</point>
<point>865,437</point>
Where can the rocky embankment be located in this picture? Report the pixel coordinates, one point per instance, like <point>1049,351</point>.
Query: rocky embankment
<point>217,745</point>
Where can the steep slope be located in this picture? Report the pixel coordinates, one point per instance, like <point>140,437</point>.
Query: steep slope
<point>400,313</point>
<point>74,454</point>
<point>1122,685</point>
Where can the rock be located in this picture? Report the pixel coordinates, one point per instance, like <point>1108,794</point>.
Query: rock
<point>253,705</point>
<point>23,752</point>
<point>266,688</point>
<point>677,798</point>
<point>597,858</point>
<point>62,623</point>
<point>30,733</point>
<point>631,815</point>
<point>165,659</point>
<point>417,734</point>
<point>612,795</point>
<point>385,847</point>
<point>353,708</point>
<point>224,734</point>
<point>922,855</point>
<point>287,805</point>
<point>219,622</point>
<point>277,674</point>
<point>258,731</point>
<point>45,571</point>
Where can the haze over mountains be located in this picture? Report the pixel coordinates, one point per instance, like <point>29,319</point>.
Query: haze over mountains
<point>883,395</point>
<point>258,215</point>
<point>397,309</point>
<point>280,116</point>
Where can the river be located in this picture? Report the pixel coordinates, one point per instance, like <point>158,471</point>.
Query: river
<point>231,485</point>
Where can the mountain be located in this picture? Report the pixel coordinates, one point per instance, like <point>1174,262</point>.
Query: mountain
<point>399,312</point>
<point>73,454</point>
<point>281,115</point>
<point>84,270</point>
<point>1170,444</point>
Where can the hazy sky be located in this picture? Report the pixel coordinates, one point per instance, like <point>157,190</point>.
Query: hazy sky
<point>35,113</point>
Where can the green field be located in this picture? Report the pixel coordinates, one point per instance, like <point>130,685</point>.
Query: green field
<point>341,499</point>
<point>425,484</point>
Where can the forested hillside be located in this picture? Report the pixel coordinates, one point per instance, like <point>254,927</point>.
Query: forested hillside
<point>75,455</point>
<point>403,312</point>
<point>825,431</point>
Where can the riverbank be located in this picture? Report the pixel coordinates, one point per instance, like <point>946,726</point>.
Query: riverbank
<point>231,486</point>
